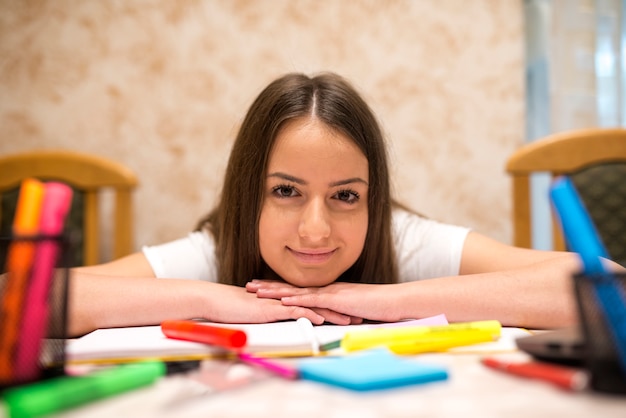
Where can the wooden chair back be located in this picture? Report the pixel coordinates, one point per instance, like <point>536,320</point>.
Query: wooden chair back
<point>595,159</point>
<point>89,175</point>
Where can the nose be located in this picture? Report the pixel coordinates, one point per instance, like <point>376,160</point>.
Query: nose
<point>314,223</point>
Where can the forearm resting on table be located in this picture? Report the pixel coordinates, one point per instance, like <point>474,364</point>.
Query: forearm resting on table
<point>101,302</point>
<point>98,301</point>
<point>527,297</point>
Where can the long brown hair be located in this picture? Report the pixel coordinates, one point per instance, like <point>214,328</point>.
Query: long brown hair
<point>234,222</point>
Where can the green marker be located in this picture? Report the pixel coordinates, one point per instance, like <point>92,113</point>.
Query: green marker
<point>58,394</point>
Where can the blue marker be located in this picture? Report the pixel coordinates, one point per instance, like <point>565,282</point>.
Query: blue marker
<point>578,228</point>
<point>582,237</point>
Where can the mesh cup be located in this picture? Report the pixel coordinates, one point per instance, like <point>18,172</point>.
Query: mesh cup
<point>51,355</point>
<point>607,372</point>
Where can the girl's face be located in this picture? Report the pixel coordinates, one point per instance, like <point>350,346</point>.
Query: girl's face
<point>314,216</point>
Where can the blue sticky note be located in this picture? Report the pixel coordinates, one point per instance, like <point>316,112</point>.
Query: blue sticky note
<point>370,370</point>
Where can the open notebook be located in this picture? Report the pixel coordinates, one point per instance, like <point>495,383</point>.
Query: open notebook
<point>278,339</point>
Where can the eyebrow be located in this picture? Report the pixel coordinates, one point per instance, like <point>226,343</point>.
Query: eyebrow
<point>298,180</point>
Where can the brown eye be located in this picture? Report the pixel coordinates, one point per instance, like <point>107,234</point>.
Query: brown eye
<point>348,196</point>
<point>284,191</point>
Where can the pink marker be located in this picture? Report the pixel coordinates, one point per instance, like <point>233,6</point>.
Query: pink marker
<point>57,200</point>
<point>274,367</point>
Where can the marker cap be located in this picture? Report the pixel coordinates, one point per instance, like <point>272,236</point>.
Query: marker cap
<point>202,333</point>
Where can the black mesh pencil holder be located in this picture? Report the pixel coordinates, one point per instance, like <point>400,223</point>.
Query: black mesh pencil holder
<point>607,370</point>
<point>33,302</point>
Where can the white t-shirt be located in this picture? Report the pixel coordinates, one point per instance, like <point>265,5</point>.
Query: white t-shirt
<point>424,249</point>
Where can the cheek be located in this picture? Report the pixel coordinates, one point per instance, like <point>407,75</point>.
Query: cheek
<point>355,235</point>
<point>266,230</point>
<point>273,228</point>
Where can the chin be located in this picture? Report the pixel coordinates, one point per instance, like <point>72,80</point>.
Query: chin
<point>309,282</point>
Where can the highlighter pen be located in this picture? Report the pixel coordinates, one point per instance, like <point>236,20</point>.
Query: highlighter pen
<point>271,366</point>
<point>577,226</point>
<point>581,235</point>
<point>427,345</point>
<point>61,393</point>
<point>563,377</point>
<point>19,261</point>
<point>208,334</point>
<point>56,204</point>
<point>359,340</point>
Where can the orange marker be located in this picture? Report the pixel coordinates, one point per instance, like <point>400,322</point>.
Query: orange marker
<point>19,262</point>
<point>207,334</point>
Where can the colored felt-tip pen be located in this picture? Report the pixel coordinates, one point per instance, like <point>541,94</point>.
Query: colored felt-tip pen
<point>427,345</point>
<point>564,377</point>
<point>202,333</point>
<point>271,366</point>
<point>20,258</point>
<point>412,336</point>
<point>583,238</point>
<point>62,393</point>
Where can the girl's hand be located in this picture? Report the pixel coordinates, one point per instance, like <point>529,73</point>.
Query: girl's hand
<point>267,289</point>
<point>348,300</point>
<point>240,306</point>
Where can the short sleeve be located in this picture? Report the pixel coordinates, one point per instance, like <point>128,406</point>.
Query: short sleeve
<point>426,248</point>
<point>192,257</point>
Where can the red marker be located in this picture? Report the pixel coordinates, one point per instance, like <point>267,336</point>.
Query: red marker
<point>564,377</point>
<point>201,333</point>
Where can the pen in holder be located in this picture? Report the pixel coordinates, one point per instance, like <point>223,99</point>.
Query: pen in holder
<point>33,307</point>
<point>603,353</point>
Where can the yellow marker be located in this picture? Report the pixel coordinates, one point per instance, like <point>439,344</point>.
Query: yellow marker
<point>405,340</point>
<point>441,344</point>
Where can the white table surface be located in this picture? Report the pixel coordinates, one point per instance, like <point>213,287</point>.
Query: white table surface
<point>472,390</point>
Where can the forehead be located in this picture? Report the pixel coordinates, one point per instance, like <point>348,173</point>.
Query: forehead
<point>309,139</point>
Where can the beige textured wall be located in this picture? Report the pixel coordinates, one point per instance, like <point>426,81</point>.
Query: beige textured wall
<point>161,86</point>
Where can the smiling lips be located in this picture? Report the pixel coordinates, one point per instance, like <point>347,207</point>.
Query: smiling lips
<point>312,256</point>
